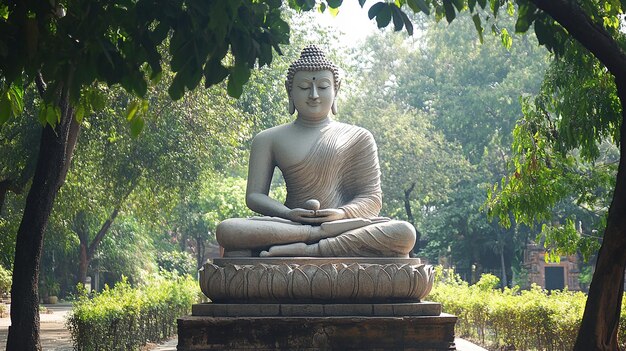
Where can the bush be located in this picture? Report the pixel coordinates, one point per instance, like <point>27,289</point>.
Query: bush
<point>522,320</point>
<point>125,318</point>
<point>5,280</point>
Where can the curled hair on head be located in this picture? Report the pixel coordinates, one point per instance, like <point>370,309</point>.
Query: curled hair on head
<point>312,58</point>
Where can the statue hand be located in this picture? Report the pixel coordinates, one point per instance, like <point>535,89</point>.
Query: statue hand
<point>315,217</point>
<point>330,214</point>
<point>300,215</point>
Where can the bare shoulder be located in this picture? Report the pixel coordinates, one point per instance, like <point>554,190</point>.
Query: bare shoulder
<point>273,133</point>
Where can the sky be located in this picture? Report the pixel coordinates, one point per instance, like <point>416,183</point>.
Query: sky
<point>352,20</point>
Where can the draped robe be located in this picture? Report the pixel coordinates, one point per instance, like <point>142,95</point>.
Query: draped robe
<point>342,171</point>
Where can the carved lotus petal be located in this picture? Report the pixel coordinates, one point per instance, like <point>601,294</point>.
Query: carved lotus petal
<point>429,279</point>
<point>420,283</point>
<point>391,269</point>
<point>365,285</point>
<point>331,270</point>
<point>382,280</point>
<point>254,280</point>
<point>401,284</point>
<point>347,279</point>
<point>212,282</point>
<point>321,284</point>
<point>300,284</point>
<point>279,284</point>
<point>265,286</point>
<point>236,286</point>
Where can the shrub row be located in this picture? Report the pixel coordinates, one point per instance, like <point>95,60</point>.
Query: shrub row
<point>512,319</point>
<point>125,318</point>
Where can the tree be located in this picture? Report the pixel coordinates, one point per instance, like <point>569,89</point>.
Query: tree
<point>68,50</point>
<point>595,26</point>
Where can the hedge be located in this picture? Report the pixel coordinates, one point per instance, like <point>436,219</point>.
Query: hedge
<point>512,319</point>
<point>125,318</point>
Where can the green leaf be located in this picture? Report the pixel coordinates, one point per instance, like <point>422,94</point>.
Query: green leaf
<point>333,12</point>
<point>384,16</point>
<point>479,27</point>
<point>407,23</point>
<point>177,88</point>
<point>4,11</point>
<point>419,5</point>
<point>308,5</point>
<point>459,5</point>
<point>507,41</point>
<point>449,8</point>
<point>482,3</point>
<point>398,22</point>
<point>495,6</point>
<point>79,114</point>
<point>53,115</point>
<point>362,2</point>
<point>544,35</point>
<point>42,114</point>
<point>238,77</point>
<point>131,110</point>
<point>322,8</point>
<point>5,108</point>
<point>241,73</point>
<point>375,9</point>
<point>333,4</point>
<point>16,97</point>
<point>526,16</point>
<point>136,126</point>
<point>233,88</point>
<point>471,4</point>
<point>214,72</point>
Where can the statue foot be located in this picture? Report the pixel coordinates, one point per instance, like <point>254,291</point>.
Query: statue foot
<point>291,250</point>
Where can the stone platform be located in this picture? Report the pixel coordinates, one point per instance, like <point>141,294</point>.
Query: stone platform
<point>419,333</point>
<point>316,304</point>
<point>425,308</point>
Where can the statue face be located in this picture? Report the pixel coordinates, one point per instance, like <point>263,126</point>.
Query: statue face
<point>313,93</point>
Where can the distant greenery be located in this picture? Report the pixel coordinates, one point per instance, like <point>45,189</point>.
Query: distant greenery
<point>5,280</point>
<point>511,318</point>
<point>125,318</point>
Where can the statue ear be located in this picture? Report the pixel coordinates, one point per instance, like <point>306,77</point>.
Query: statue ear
<point>292,106</point>
<point>333,108</point>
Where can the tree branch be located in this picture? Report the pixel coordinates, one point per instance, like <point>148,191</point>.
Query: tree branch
<point>591,35</point>
<point>107,224</point>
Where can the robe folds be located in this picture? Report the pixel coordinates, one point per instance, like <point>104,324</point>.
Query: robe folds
<point>342,171</point>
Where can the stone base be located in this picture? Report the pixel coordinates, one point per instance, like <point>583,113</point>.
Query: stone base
<point>425,308</point>
<point>316,280</point>
<point>423,333</point>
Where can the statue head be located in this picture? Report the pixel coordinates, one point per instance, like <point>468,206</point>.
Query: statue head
<point>314,65</point>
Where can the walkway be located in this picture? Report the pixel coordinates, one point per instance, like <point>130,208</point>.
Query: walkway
<point>54,335</point>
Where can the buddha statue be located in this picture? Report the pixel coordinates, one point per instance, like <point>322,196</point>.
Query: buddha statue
<point>332,175</point>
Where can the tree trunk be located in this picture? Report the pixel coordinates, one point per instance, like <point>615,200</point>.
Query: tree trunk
<point>505,281</point>
<point>87,250</point>
<point>55,153</point>
<point>200,251</point>
<point>598,330</point>
<point>83,263</point>
<point>411,218</point>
